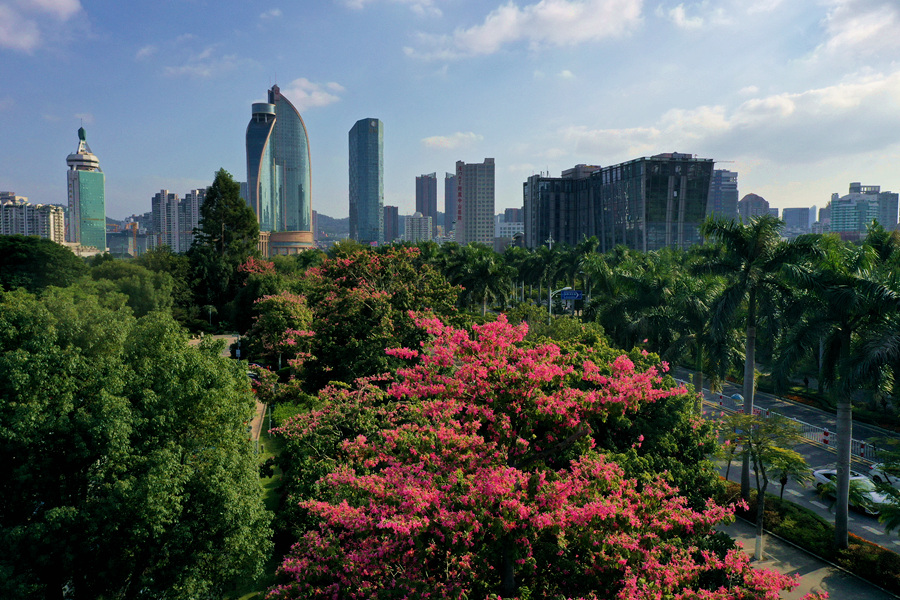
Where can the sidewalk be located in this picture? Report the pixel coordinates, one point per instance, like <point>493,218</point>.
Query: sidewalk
<point>815,575</point>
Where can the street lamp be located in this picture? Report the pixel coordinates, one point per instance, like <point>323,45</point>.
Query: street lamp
<point>550,301</point>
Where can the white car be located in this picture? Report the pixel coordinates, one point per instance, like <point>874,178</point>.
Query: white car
<point>879,474</point>
<point>874,499</point>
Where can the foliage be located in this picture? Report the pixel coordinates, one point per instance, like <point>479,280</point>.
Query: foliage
<point>124,464</point>
<point>361,302</point>
<point>35,263</point>
<point>146,290</point>
<point>162,260</point>
<point>476,473</point>
<point>281,332</point>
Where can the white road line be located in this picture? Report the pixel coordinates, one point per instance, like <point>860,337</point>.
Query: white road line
<point>793,492</point>
<point>872,530</point>
<point>819,504</point>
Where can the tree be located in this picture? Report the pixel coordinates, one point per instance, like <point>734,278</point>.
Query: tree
<point>35,263</point>
<point>769,443</point>
<point>474,472</point>
<point>227,235</point>
<point>162,260</point>
<point>146,290</point>
<point>482,275</point>
<point>845,295</point>
<point>281,330</point>
<point>125,469</point>
<point>752,257</point>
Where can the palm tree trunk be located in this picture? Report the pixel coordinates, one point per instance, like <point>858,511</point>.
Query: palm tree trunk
<point>749,374</point>
<point>844,437</point>
<point>698,380</point>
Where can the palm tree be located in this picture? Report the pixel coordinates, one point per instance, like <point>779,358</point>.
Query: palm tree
<point>752,258</point>
<point>482,274</point>
<point>846,295</point>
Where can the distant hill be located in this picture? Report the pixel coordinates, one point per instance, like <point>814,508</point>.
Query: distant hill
<point>330,227</point>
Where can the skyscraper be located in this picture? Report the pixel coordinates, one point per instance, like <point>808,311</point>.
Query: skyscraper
<point>449,202</point>
<point>87,197</point>
<point>367,181</point>
<point>391,224</point>
<point>278,174</point>
<point>751,206</point>
<point>475,202</point>
<point>723,195</point>
<point>426,197</point>
<point>166,222</point>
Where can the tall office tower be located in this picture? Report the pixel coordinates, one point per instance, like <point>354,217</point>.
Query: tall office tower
<point>645,204</point>
<point>723,195</point>
<point>189,217</point>
<point>87,197</point>
<point>796,220</point>
<point>887,203</point>
<point>391,224</point>
<point>418,228</point>
<point>449,203</point>
<point>18,217</point>
<point>166,227</point>
<point>475,202</point>
<point>513,215</point>
<point>426,197</point>
<point>367,181</point>
<point>278,174</point>
<point>751,206</point>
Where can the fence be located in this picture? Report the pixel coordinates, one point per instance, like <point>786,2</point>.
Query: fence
<point>822,435</point>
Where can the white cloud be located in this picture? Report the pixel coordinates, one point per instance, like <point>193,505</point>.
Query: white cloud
<point>203,64</point>
<point>23,22</point>
<point>146,52</point>
<point>305,94</point>
<point>545,23</point>
<point>791,128</point>
<point>452,142</point>
<point>272,13</point>
<point>749,90</point>
<point>678,15</point>
<point>861,27</point>
<point>419,7</point>
<point>566,74</point>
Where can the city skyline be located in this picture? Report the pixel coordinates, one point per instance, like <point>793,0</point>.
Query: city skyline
<point>798,98</point>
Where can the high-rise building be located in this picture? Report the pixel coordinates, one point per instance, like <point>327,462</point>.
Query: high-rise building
<point>367,181</point>
<point>166,224</point>
<point>391,224</point>
<point>18,217</point>
<point>426,196</point>
<point>87,197</point>
<point>723,195</point>
<point>449,203</point>
<point>645,204</point>
<point>278,174</point>
<point>418,228</point>
<point>796,220</point>
<point>189,217</point>
<point>475,202</point>
<point>751,206</point>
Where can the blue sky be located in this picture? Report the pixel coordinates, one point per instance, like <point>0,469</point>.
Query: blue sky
<point>802,96</point>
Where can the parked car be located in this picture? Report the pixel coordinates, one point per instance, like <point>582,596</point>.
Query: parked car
<point>873,498</point>
<point>880,474</point>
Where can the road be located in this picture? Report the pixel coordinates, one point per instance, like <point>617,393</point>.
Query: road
<point>817,455</point>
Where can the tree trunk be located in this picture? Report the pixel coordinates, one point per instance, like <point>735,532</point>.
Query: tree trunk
<point>508,573</point>
<point>749,374</point>
<point>760,515</point>
<point>842,491</point>
<point>698,380</point>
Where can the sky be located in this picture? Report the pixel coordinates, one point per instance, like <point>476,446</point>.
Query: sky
<point>800,97</point>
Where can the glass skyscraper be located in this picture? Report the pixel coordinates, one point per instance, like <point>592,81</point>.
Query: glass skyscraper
<point>278,174</point>
<point>367,181</point>
<point>86,185</point>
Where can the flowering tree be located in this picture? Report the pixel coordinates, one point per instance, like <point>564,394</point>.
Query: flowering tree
<point>282,329</point>
<point>475,473</point>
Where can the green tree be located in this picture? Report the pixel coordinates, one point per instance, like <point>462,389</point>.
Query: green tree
<point>228,234</point>
<point>125,469</point>
<point>162,260</point>
<point>769,442</point>
<point>146,290</point>
<point>482,275</point>
<point>35,263</point>
<point>752,258</point>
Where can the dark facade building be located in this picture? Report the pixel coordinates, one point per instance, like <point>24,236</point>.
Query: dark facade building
<point>645,204</point>
<point>391,224</point>
<point>752,205</point>
<point>723,195</point>
<point>426,197</point>
<point>449,203</point>
<point>367,181</point>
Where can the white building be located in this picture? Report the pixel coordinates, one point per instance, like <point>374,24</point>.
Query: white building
<point>18,217</point>
<point>418,228</point>
<point>475,202</point>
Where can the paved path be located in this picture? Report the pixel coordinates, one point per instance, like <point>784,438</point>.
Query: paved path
<point>816,575</point>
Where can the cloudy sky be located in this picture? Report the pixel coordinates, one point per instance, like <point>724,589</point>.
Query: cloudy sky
<point>800,97</point>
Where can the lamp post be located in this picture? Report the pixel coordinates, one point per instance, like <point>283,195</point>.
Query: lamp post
<point>550,301</point>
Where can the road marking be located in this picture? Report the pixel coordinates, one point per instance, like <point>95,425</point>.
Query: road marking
<point>793,492</point>
<point>819,504</point>
<point>872,530</point>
